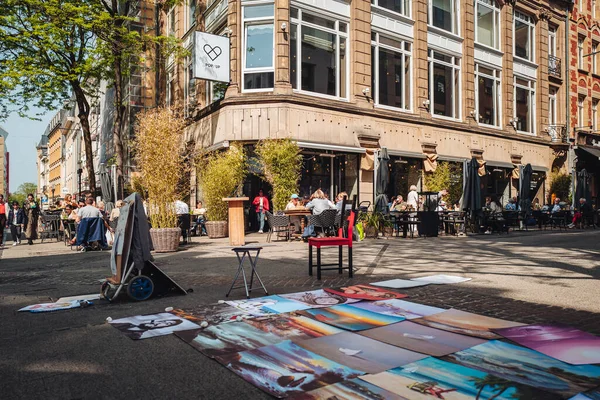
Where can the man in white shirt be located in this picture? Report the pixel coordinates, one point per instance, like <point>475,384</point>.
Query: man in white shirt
<point>181,208</point>
<point>89,211</point>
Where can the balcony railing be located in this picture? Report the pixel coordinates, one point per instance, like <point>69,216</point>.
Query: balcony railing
<point>554,66</point>
<point>558,133</point>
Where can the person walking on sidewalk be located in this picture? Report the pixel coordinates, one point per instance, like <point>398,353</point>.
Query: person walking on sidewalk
<point>2,219</point>
<point>16,221</point>
<point>261,204</point>
<point>32,213</point>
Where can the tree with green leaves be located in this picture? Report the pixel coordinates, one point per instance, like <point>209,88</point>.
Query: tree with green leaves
<point>20,195</point>
<point>47,53</point>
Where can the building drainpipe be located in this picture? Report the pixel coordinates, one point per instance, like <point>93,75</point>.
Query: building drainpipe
<point>571,153</point>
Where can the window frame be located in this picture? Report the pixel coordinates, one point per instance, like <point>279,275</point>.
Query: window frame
<point>580,110</point>
<point>580,48</point>
<point>456,66</point>
<point>299,23</point>
<point>531,88</point>
<point>375,46</point>
<point>189,96</point>
<point>497,93</point>
<point>171,77</point>
<point>552,44</point>
<point>497,23</point>
<point>455,17</point>
<point>403,13</point>
<point>253,22</point>
<point>529,21</point>
<point>594,115</point>
<point>594,57</point>
<point>552,106</point>
<point>189,19</point>
<point>172,22</point>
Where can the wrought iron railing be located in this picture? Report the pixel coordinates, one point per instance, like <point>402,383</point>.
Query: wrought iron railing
<point>554,66</point>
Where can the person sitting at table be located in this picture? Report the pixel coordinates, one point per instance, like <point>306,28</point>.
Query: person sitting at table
<point>398,204</point>
<point>536,204</point>
<point>556,207</point>
<point>199,214</point>
<point>294,204</point>
<point>511,205</point>
<point>69,213</point>
<point>339,200</point>
<point>584,209</point>
<point>493,213</point>
<point>319,203</point>
<point>412,200</point>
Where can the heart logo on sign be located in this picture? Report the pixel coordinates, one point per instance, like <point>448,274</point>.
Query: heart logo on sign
<point>212,52</point>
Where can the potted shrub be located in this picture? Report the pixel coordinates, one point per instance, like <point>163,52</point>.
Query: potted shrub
<point>387,227</point>
<point>222,175</point>
<point>371,223</point>
<point>159,157</point>
<point>282,165</point>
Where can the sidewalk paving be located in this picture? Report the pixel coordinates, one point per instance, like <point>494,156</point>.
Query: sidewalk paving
<point>526,277</point>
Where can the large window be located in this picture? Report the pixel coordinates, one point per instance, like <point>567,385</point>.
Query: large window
<point>552,41</point>
<point>487,31</point>
<point>259,47</point>
<point>487,90</point>
<point>580,111</point>
<point>190,7</point>
<point>525,104</point>
<point>391,72</point>
<point>171,22</point>
<point>189,88</point>
<point>444,84</point>
<point>594,57</point>
<point>594,115</point>
<point>398,6</point>
<point>524,36</point>
<point>444,14</point>
<point>552,109</point>
<point>170,87</point>
<point>580,41</point>
<point>318,54</point>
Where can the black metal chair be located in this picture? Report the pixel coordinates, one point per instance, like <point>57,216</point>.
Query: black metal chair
<point>558,219</point>
<point>50,227</point>
<point>278,224</point>
<point>184,221</point>
<point>326,221</point>
<point>70,231</point>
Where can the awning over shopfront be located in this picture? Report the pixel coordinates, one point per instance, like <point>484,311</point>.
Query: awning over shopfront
<point>539,168</point>
<point>451,159</point>
<point>407,154</point>
<point>332,147</point>
<point>499,164</point>
<point>591,150</point>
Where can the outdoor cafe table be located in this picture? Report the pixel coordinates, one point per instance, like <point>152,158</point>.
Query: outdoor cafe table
<point>298,212</point>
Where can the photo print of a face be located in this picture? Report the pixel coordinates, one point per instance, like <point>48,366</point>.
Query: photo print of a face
<point>152,325</point>
<point>319,298</point>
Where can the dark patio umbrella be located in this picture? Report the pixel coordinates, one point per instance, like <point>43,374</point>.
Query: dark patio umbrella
<point>383,176</point>
<point>525,188</point>
<point>583,186</point>
<point>105,184</point>
<point>472,189</point>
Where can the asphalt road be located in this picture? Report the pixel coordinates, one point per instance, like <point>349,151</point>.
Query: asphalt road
<point>75,354</point>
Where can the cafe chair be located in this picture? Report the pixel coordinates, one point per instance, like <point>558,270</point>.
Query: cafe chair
<point>339,241</point>
<point>278,224</point>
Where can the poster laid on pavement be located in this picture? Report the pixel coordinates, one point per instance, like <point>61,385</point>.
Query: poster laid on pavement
<point>399,284</point>
<point>354,389</point>
<point>399,308</point>
<point>365,292</point>
<point>350,318</point>
<point>361,353</point>
<point>431,378</point>
<point>591,395</point>
<point>212,313</point>
<point>152,325</point>
<point>283,305</point>
<point>222,339</point>
<point>254,307</point>
<point>83,297</point>
<point>47,307</point>
<point>528,367</point>
<point>466,323</point>
<point>422,339</point>
<point>561,342</point>
<point>441,279</point>
<point>286,369</point>
<point>318,298</point>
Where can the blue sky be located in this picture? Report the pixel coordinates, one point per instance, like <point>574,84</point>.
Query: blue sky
<point>23,136</point>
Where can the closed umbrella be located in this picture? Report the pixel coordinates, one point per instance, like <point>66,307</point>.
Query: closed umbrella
<point>583,186</point>
<point>472,188</point>
<point>525,188</point>
<point>383,176</point>
<point>105,184</point>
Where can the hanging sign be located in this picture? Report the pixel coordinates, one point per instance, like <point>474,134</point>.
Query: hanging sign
<point>211,57</point>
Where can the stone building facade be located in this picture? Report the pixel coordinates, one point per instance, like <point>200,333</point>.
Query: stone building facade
<point>430,81</point>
